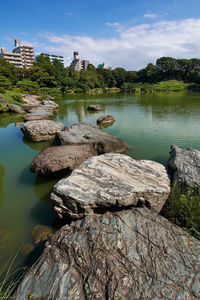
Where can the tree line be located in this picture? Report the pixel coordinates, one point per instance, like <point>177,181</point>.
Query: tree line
<point>53,75</point>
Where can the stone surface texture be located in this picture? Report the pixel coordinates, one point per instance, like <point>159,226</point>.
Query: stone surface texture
<point>110,181</point>
<point>83,133</point>
<point>41,130</point>
<point>184,167</point>
<point>61,159</point>
<point>126,255</point>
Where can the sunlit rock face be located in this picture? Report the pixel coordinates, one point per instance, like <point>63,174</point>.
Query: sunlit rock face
<point>184,168</point>
<point>131,254</point>
<point>110,182</point>
<point>83,133</point>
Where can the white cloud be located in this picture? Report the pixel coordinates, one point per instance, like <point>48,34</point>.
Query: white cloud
<point>68,13</point>
<point>134,47</point>
<point>116,25</point>
<point>150,16</point>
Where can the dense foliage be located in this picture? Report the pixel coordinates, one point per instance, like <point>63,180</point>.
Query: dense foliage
<point>46,75</point>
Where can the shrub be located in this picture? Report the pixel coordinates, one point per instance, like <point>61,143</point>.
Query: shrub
<point>184,211</point>
<point>17,97</point>
<point>2,90</point>
<point>5,82</point>
<point>3,108</point>
<point>27,85</point>
<point>54,92</point>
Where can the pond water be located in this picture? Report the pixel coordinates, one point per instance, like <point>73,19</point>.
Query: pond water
<point>149,124</point>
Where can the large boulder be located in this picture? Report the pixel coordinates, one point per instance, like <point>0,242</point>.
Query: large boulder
<point>135,254</point>
<point>110,182</point>
<point>61,159</point>
<point>41,130</point>
<point>184,168</point>
<point>83,133</point>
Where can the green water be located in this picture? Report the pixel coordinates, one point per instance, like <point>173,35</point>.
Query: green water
<point>149,124</point>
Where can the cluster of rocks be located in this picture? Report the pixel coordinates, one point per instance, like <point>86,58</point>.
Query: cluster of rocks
<point>116,245</point>
<point>33,109</point>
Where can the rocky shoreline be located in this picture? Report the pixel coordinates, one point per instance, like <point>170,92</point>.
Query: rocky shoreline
<point>115,245</point>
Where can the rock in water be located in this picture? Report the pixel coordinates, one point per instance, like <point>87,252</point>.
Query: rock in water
<point>41,233</point>
<point>94,107</point>
<point>105,120</point>
<point>38,115</point>
<point>83,133</point>
<point>184,168</point>
<point>110,181</point>
<point>61,159</point>
<point>16,109</point>
<point>135,254</point>
<point>41,130</point>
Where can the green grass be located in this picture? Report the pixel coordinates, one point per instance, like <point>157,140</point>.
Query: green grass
<point>184,211</point>
<point>10,277</point>
<point>8,97</point>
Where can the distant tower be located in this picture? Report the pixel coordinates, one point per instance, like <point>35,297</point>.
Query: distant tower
<point>17,43</point>
<point>76,55</point>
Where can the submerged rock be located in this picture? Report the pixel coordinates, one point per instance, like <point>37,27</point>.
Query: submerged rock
<point>83,133</point>
<point>94,107</point>
<point>184,168</point>
<point>110,182</point>
<point>61,159</point>
<point>105,120</point>
<point>41,233</point>
<point>41,130</point>
<point>26,249</point>
<point>135,254</point>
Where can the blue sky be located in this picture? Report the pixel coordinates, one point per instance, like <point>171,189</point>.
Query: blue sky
<point>126,33</point>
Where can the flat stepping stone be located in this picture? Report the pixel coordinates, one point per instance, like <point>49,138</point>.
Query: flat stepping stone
<point>110,182</point>
<point>38,115</point>
<point>61,159</point>
<point>41,130</point>
<point>83,133</point>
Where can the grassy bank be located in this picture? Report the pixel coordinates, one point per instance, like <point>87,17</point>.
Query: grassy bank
<point>163,86</point>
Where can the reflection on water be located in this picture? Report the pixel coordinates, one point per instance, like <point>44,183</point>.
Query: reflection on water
<point>2,174</point>
<point>149,124</point>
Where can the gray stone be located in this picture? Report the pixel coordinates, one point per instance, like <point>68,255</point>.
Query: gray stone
<point>94,107</point>
<point>135,254</point>
<point>61,159</point>
<point>41,130</point>
<point>30,107</point>
<point>49,103</point>
<point>110,181</point>
<point>83,133</point>
<point>38,115</point>
<point>16,109</point>
<point>184,168</point>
